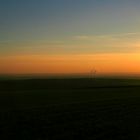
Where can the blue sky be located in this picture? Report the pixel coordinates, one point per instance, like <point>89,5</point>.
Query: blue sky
<point>62,26</point>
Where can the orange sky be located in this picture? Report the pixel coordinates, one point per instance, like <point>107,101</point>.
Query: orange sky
<point>54,37</point>
<point>107,63</point>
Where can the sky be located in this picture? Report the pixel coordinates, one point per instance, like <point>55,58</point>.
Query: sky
<point>69,36</point>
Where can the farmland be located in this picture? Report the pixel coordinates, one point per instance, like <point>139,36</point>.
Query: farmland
<point>73,108</point>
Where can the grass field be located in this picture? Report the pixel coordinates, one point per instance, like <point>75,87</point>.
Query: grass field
<point>67,109</point>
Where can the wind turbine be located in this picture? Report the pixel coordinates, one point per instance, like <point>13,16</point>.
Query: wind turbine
<point>93,73</point>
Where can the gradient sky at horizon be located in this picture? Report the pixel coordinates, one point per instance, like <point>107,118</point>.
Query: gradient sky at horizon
<point>59,36</point>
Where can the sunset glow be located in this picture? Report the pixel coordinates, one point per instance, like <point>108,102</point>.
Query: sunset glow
<point>65,64</point>
<point>65,37</point>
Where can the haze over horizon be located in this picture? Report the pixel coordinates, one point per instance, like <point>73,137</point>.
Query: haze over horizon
<point>69,36</point>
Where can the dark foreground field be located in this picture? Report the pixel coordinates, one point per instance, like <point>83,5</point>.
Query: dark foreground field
<point>67,109</point>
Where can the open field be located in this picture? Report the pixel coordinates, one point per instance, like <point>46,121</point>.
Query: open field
<point>48,109</point>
